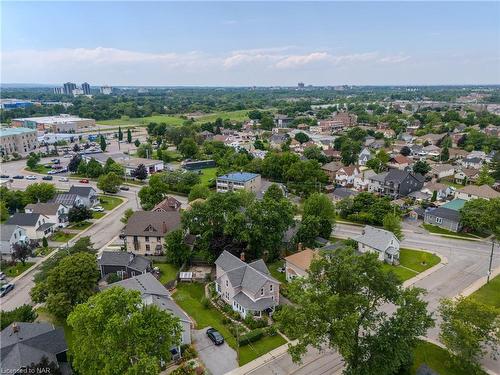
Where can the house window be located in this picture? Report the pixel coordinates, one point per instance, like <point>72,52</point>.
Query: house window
<point>271,287</point>
<point>148,248</point>
<point>439,220</point>
<point>227,283</point>
<point>158,239</point>
<point>147,239</point>
<point>262,291</point>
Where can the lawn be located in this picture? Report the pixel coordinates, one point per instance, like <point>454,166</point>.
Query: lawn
<point>168,272</point>
<point>61,236</point>
<point>403,274</point>
<point>39,169</point>
<point>436,358</point>
<point>45,316</point>
<point>42,251</point>
<point>98,215</point>
<point>81,225</point>
<point>241,115</point>
<point>17,269</point>
<point>439,230</point>
<point>489,294</point>
<point>208,175</point>
<point>108,203</point>
<point>273,268</point>
<point>414,260</point>
<point>255,349</point>
<point>169,120</point>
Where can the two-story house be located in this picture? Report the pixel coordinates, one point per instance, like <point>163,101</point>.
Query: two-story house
<point>396,183</point>
<point>364,156</point>
<point>56,212</point>
<point>248,288</point>
<point>36,226</point>
<point>77,196</point>
<point>11,234</point>
<point>145,230</point>
<point>345,176</point>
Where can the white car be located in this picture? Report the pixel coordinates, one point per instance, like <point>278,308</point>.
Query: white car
<point>64,179</point>
<point>52,172</point>
<point>31,177</point>
<point>97,209</point>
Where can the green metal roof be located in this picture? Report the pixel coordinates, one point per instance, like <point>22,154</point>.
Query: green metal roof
<point>455,204</point>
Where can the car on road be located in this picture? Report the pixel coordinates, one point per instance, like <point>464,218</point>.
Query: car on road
<point>47,178</point>
<point>125,188</point>
<point>215,336</point>
<point>84,181</point>
<point>56,161</point>
<point>64,179</point>
<point>4,176</point>
<point>68,156</point>
<point>31,177</point>
<point>97,209</point>
<point>18,177</point>
<point>6,288</point>
<point>52,172</point>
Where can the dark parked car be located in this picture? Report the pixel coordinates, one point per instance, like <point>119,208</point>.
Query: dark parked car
<point>215,336</point>
<point>48,178</point>
<point>4,176</point>
<point>126,188</point>
<point>18,177</point>
<point>6,289</point>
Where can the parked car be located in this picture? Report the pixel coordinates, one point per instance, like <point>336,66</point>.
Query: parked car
<point>84,181</point>
<point>47,178</point>
<point>64,179</point>
<point>4,176</point>
<point>2,276</point>
<point>52,172</point>
<point>56,161</point>
<point>68,156</point>
<point>125,188</point>
<point>6,288</point>
<point>215,336</point>
<point>97,209</point>
<point>31,177</point>
<point>18,177</point>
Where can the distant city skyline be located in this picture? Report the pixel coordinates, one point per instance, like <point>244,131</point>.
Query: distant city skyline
<point>251,44</point>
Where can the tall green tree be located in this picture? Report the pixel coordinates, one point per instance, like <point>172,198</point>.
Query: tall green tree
<point>392,223</point>
<point>482,215</point>
<point>129,136</point>
<point>176,250</point>
<point>136,338</point>
<point>109,183</point>
<point>470,331</point>
<point>40,192</point>
<point>340,305</point>
<point>33,160</point>
<point>198,191</point>
<point>188,148</point>
<point>422,167</point>
<point>120,134</point>
<point>102,143</point>
<point>485,178</point>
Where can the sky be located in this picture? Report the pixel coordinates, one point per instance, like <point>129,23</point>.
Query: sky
<point>250,43</point>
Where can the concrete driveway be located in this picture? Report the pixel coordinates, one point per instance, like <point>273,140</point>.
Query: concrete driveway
<point>218,359</point>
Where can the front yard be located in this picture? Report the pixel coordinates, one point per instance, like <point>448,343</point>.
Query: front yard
<point>489,294</point>
<point>412,262</point>
<point>439,230</point>
<point>81,225</point>
<point>61,236</point>
<point>108,202</point>
<point>16,269</point>
<point>168,272</point>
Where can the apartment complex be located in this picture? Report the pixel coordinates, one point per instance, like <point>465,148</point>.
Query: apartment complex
<point>20,140</point>
<point>55,124</point>
<point>238,181</point>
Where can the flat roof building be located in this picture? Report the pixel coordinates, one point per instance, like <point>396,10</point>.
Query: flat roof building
<point>20,140</point>
<point>63,123</point>
<point>238,181</point>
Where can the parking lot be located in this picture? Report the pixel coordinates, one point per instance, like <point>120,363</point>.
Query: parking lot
<point>218,359</point>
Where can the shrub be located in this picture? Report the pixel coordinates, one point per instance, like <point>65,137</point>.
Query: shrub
<point>226,321</point>
<point>251,336</point>
<point>188,352</point>
<point>271,331</point>
<point>113,278</point>
<point>254,323</point>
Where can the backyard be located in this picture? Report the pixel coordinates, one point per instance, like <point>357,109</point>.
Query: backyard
<point>489,294</point>
<point>168,272</point>
<point>273,268</point>
<point>207,175</point>
<point>16,269</point>
<point>189,297</point>
<point>45,316</point>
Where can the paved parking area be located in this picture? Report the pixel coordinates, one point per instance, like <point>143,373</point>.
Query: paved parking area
<point>218,359</point>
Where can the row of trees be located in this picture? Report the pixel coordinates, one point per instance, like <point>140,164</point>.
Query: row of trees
<point>14,200</point>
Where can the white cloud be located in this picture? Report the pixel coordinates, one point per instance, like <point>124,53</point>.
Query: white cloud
<point>394,59</point>
<point>301,60</point>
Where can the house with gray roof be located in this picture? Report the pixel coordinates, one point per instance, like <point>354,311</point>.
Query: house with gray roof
<point>56,212</point>
<point>123,264</point>
<point>379,241</point>
<point>396,183</point>
<point>443,217</point>
<point>24,344</point>
<point>153,293</point>
<point>248,288</point>
<point>36,226</point>
<point>77,196</point>
<point>11,234</point>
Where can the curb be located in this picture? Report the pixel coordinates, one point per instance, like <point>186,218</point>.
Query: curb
<point>422,275</point>
<point>478,284</point>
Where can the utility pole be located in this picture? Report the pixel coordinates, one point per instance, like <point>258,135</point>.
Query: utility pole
<point>491,260</point>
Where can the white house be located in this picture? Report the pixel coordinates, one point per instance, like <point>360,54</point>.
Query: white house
<point>10,235</point>
<point>379,241</point>
<point>56,212</point>
<point>364,156</point>
<point>36,226</point>
<point>345,175</point>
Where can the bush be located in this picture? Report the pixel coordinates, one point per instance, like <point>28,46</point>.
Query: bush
<point>251,336</point>
<point>271,331</point>
<point>24,313</point>
<point>205,302</point>
<point>188,352</point>
<point>113,278</point>
<point>226,321</point>
<point>254,323</point>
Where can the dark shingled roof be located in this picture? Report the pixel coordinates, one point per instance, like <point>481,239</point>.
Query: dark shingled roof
<point>65,198</point>
<point>445,213</point>
<point>23,219</point>
<point>29,344</point>
<point>82,191</point>
<point>123,259</point>
<point>152,223</point>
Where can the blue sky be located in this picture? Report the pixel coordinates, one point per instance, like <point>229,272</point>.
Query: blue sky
<point>240,43</point>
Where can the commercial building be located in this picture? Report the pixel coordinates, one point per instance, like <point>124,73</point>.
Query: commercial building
<point>63,123</point>
<point>129,163</point>
<point>86,88</point>
<point>106,90</point>
<point>7,104</point>
<point>68,88</point>
<point>238,181</point>
<point>20,140</point>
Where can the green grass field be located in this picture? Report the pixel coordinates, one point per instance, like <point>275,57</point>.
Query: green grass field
<point>42,251</point>
<point>169,120</point>
<point>81,225</point>
<point>108,203</point>
<point>489,294</point>
<point>61,236</point>
<point>168,272</point>
<point>255,349</point>
<point>98,215</point>
<point>207,175</point>
<point>273,268</point>
<point>417,261</point>
<point>39,169</point>
<point>241,115</point>
<point>438,230</point>
<point>17,269</point>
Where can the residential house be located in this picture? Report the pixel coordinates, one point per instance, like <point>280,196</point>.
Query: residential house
<point>68,200</point>
<point>145,230</point>
<point>431,150</point>
<point>123,264</point>
<point>474,192</point>
<point>168,204</point>
<point>389,133</point>
<point>379,241</point>
<point>431,138</point>
<point>457,153</point>
<point>364,156</point>
<point>282,121</point>
<point>154,293</point>
<point>396,183</point>
<point>36,226</point>
<point>399,162</point>
<point>472,162</point>
<point>341,193</point>
<point>77,196</point>
<point>333,154</point>
<point>24,344</point>
<point>442,170</point>
<point>297,265</point>
<point>238,181</point>
<point>345,175</point>
<point>331,169</point>
<point>362,180</point>
<point>278,140</point>
<point>442,191</point>
<point>11,234</point>
<point>56,212</point>
<point>248,288</point>
<point>443,217</point>
<point>466,176</point>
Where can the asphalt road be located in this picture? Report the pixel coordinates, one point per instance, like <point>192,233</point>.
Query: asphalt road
<point>467,262</point>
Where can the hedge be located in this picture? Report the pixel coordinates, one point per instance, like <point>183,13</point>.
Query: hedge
<point>251,336</point>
